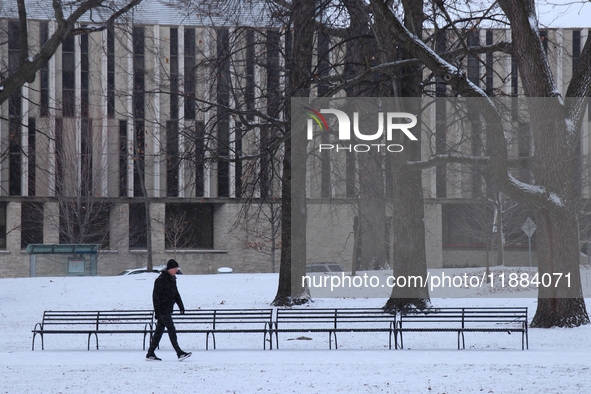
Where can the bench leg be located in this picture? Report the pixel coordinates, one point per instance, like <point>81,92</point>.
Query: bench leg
<point>265,340</point>
<point>41,335</point>
<point>390,340</point>
<point>96,337</point>
<point>336,346</point>
<point>461,333</point>
<point>207,340</point>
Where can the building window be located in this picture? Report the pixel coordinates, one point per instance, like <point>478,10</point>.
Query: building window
<point>223,99</point>
<point>32,156</point>
<point>189,226</point>
<point>576,48</point>
<point>473,60</point>
<point>468,225</point>
<point>138,111</point>
<point>138,73</point>
<point>350,171</point>
<point>440,123</point>
<point>172,158</point>
<point>238,165</point>
<point>489,65</point>
<point>199,155</point>
<point>250,63</point>
<point>111,72</point>
<point>84,222</point>
<point>139,159</point>
<point>323,67</point>
<point>190,69</point>
<point>44,72</point>
<point>84,99</point>
<point>265,163</point>
<point>31,223</point>
<point>137,226</point>
<point>86,157</point>
<point>15,157</point>
<point>323,72</point>
<point>14,114</point>
<point>174,73</point>
<point>3,209</point>
<point>59,159</point>
<point>123,158</point>
<point>68,77</point>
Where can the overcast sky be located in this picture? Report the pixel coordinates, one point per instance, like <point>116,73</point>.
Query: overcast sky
<point>564,13</point>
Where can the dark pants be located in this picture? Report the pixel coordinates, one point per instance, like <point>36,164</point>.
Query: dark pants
<point>164,321</point>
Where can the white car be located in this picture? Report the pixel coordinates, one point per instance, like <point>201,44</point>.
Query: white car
<point>324,267</point>
<point>155,269</point>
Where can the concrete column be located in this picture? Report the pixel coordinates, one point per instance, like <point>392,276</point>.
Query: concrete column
<point>119,228</point>
<point>157,215</point>
<point>51,233</point>
<point>13,227</point>
<point>433,236</point>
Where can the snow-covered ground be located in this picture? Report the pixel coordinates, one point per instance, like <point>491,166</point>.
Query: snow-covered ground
<point>558,360</point>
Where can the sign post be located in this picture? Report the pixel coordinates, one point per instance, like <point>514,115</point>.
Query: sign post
<point>529,228</point>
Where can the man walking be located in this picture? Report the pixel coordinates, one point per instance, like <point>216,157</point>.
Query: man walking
<point>164,296</point>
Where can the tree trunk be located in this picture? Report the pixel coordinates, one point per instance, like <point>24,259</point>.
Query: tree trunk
<point>410,256</point>
<point>561,304</point>
<point>293,246</point>
<point>371,222</point>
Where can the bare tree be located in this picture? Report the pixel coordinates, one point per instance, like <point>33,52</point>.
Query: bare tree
<point>67,17</point>
<point>556,126</point>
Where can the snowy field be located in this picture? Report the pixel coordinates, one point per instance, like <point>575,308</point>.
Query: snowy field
<point>558,360</point>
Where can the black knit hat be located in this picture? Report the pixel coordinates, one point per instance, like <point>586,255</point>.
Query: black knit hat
<point>171,264</point>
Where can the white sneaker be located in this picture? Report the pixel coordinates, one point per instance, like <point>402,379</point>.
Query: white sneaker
<point>184,355</point>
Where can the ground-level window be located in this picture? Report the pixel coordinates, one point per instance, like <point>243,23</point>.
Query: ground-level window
<point>3,225</point>
<point>189,226</point>
<point>138,238</point>
<point>84,222</point>
<point>31,223</point>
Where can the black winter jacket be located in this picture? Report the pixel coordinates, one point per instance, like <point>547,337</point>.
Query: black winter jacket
<point>165,295</point>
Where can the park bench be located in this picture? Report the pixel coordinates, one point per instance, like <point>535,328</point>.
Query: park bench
<point>94,323</point>
<point>333,321</point>
<point>217,321</point>
<point>463,320</point>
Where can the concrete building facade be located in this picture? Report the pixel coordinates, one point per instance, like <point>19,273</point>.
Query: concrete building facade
<point>133,115</point>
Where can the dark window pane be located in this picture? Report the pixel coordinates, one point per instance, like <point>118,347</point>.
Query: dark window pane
<point>199,139</point>
<point>68,44</point>
<point>137,227</point>
<point>139,159</point>
<point>13,35</point>
<point>123,158</point>
<point>86,157</point>
<point>15,157</point>
<point>172,159</point>
<point>138,40</point>
<point>3,225</point>
<point>189,226</point>
<point>32,156</point>
<point>31,223</point>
